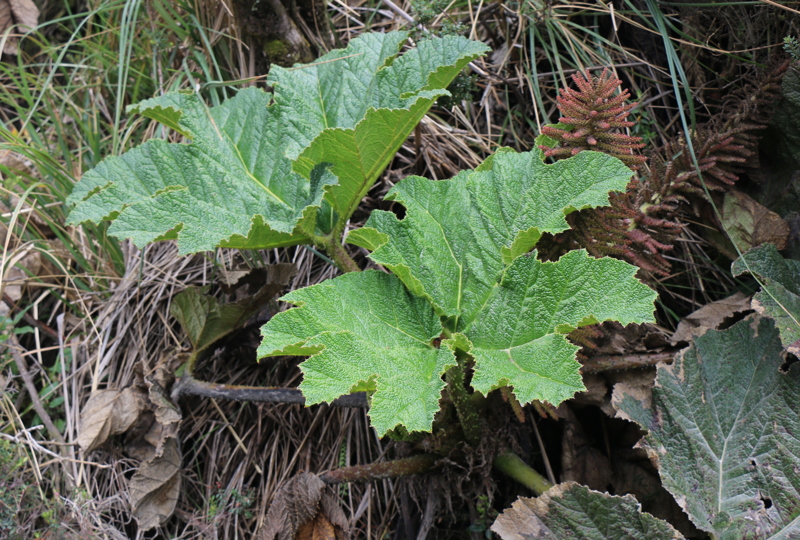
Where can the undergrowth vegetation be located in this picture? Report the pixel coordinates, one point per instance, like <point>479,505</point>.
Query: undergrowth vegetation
<point>468,213</point>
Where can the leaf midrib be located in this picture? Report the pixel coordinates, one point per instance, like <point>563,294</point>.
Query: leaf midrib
<point>368,175</point>
<point>223,137</point>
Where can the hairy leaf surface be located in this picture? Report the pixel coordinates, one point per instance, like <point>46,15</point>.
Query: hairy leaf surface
<point>464,243</point>
<point>366,332</point>
<point>724,427</point>
<point>461,252</point>
<point>464,232</point>
<point>235,184</point>
<point>780,298</point>
<point>570,510</point>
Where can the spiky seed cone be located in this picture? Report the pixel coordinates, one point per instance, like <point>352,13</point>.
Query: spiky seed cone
<point>594,111</point>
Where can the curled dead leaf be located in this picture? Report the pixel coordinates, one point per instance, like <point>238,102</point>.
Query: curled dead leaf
<point>161,419</point>
<point>155,487</point>
<point>751,224</point>
<point>710,317</point>
<point>108,413</point>
<point>17,17</point>
<point>303,510</point>
<point>570,510</point>
<point>637,385</point>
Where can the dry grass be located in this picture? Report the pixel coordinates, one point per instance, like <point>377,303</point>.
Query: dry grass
<point>229,449</point>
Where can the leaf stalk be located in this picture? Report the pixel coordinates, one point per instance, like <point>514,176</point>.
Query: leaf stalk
<point>466,408</point>
<point>188,385</point>
<point>512,465</point>
<point>376,471</point>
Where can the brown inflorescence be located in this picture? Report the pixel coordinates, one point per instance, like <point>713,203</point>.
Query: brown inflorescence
<point>593,111</point>
<point>642,223</point>
<point>632,227</point>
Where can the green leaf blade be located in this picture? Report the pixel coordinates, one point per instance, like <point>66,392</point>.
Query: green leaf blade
<point>542,369</point>
<point>780,296</point>
<point>360,155</point>
<point>432,65</point>
<point>205,320</point>
<point>515,335</point>
<point>450,270</point>
<point>441,275</point>
<point>391,106</point>
<point>455,251</point>
<point>204,193</point>
<point>358,337</point>
<point>234,184</point>
<point>461,245</point>
<point>570,510</point>
<point>713,426</point>
<point>546,297</point>
<point>167,109</point>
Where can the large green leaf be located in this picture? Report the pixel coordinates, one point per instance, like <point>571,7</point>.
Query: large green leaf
<point>780,297</point>
<point>463,232</point>
<point>461,251</point>
<point>517,335</point>
<point>399,97</point>
<point>205,192</point>
<point>724,428</point>
<point>234,184</point>
<point>462,245</point>
<point>573,511</point>
<point>367,333</point>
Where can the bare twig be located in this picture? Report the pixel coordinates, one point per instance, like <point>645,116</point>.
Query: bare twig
<point>188,385</point>
<point>376,471</point>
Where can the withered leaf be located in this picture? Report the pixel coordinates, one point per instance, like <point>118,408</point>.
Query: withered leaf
<point>635,384</point>
<point>206,321</point>
<point>303,510</point>
<point>750,224</point>
<point>570,510</point>
<point>319,528</point>
<point>20,16</point>
<point>165,410</point>
<point>154,489</point>
<point>710,317</point>
<point>159,423</point>
<point>108,413</point>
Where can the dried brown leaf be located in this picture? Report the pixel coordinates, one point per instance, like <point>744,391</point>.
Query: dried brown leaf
<point>319,528</point>
<point>751,224</point>
<point>166,411</point>
<point>17,17</point>
<point>108,413</point>
<point>710,317</point>
<point>637,384</point>
<point>570,510</point>
<point>162,419</point>
<point>302,510</point>
<point>155,487</point>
